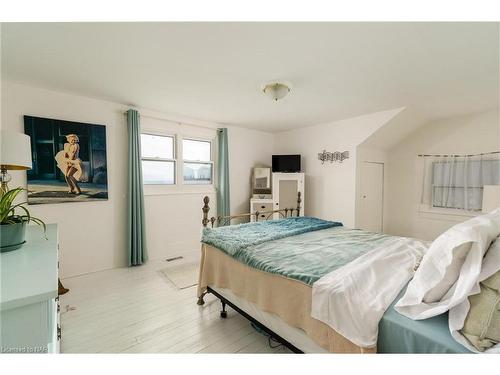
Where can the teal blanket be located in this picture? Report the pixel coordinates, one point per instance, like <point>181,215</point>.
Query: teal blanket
<point>295,248</point>
<point>234,238</point>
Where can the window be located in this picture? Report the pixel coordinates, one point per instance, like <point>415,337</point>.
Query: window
<point>158,162</point>
<point>458,183</point>
<point>197,162</point>
<point>160,165</point>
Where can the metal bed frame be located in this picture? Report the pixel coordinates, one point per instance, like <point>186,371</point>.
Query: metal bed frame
<point>226,220</point>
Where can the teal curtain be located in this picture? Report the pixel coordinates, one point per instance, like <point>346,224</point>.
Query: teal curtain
<point>136,229</point>
<point>222,174</point>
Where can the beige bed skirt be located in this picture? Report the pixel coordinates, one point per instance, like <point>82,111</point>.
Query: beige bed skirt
<point>287,298</point>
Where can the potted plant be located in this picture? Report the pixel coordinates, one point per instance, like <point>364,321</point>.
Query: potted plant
<point>13,225</point>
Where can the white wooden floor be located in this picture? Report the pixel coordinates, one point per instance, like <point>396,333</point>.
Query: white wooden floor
<point>136,310</point>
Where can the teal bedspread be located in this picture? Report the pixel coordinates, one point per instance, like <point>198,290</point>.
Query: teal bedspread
<point>298,249</point>
<point>234,238</point>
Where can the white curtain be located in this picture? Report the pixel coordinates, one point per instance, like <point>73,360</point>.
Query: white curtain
<point>457,181</point>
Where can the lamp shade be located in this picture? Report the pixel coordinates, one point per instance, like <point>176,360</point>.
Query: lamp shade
<point>491,197</point>
<point>15,150</point>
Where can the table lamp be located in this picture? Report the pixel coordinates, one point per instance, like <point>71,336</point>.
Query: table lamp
<point>15,154</point>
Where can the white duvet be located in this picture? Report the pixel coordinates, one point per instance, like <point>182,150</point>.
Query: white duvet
<point>353,298</point>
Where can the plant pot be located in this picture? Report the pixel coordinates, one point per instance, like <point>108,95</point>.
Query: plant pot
<point>12,236</point>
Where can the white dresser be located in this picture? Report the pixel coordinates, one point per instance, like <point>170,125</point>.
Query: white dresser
<point>29,304</point>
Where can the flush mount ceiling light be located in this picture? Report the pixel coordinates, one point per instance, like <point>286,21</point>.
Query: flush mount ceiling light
<point>276,90</point>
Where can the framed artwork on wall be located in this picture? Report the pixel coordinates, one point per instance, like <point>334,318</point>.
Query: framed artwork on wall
<point>69,161</point>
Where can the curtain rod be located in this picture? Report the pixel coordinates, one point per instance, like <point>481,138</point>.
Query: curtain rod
<point>458,156</point>
<point>176,121</point>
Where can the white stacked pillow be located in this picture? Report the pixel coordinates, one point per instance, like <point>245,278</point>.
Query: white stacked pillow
<point>451,271</point>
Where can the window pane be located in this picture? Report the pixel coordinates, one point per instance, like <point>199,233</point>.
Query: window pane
<point>196,150</point>
<point>157,146</point>
<point>158,172</point>
<point>458,197</point>
<point>197,173</point>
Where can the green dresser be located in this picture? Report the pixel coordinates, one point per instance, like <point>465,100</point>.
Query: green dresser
<point>29,304</point>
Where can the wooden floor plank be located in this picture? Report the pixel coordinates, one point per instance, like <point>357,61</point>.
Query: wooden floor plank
<point>137,310</point>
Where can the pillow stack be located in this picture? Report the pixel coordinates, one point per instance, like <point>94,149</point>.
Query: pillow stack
<point>482,324</point>
<point>450,272</point>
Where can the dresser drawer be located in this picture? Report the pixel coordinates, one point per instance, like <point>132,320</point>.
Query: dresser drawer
<point>262,207</point>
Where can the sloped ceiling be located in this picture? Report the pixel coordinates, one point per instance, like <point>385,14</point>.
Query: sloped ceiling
<point>214,71</point>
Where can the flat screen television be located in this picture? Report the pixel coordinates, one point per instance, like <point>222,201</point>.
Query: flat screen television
<point>286,163</point>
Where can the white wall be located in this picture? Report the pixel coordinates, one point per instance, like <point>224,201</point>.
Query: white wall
<point>247,149</point>
<point>173,213</point>
<point>330,189</point>
<point>474,133</point>
<point>92,234</point>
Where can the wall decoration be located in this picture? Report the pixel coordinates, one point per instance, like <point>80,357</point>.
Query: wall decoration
<point>69,161</point>
<point>333,156</point>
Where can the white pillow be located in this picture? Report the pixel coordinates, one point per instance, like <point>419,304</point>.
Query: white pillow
<point>451,273</point>
<point>450,268</point>
<point>459,313</point>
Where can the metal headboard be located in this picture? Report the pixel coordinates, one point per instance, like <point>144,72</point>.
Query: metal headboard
<point>226,220</point>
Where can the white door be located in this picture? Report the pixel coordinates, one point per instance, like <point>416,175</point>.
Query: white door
<point>372,196</point>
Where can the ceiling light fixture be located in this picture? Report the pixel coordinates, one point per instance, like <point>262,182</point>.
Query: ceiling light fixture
<point>276,90</point>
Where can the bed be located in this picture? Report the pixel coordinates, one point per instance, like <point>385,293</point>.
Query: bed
<point>270,282</point>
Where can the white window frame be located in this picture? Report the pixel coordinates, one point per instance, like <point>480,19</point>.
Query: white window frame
<point>179,187</point>
<point>181,169</point>
<point>174,160</point>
